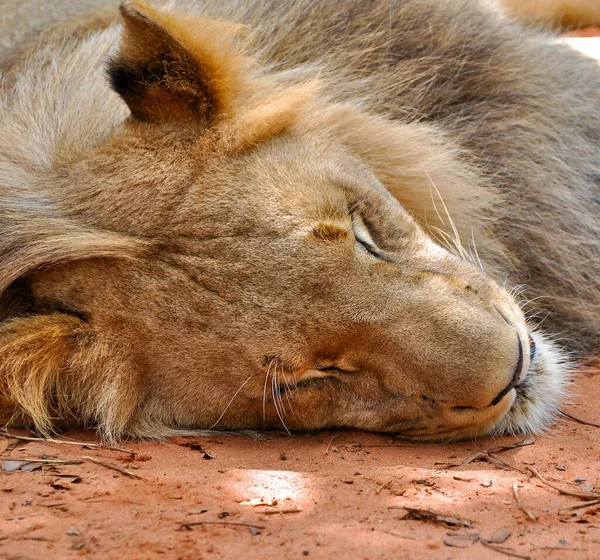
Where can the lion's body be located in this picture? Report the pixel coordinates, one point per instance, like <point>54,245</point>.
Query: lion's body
<point>502,128</point>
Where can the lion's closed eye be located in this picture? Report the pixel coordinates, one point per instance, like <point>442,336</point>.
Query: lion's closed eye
<point>364,238</point>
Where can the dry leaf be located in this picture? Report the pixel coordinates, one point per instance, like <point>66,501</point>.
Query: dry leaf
<point>11,466</point>
<point>428,515</point>
<point>194,444</point>
<point>27,466</point>
<point>499,536</point>
<point>64,482</point>
<point>30,467</point>
<point>458,542</point>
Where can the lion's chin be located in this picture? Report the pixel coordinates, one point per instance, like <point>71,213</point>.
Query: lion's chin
<point>538,398</point>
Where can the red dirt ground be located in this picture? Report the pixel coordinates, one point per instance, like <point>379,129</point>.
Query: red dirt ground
<point>331,494</point>
<point>328,495</point>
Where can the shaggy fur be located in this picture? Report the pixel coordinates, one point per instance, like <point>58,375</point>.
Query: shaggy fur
<point>249,214</point>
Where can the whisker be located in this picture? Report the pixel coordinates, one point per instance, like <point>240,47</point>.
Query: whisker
<point>457,240</point>
<point>231,400</point>
<point>287,395</point>
<point>274,389</point>
<point>475,249</point>
<point>528,301</point>
<point>275,383</point>
<point>265,392</point>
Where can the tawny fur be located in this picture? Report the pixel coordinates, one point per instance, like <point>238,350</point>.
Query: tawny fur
<point>567,13</point>
<point>155,265</point>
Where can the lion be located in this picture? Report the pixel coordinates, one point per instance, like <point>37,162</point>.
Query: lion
<point>293,215</point>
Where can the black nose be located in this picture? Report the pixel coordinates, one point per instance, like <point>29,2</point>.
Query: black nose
<point>516,374</point>
<point>531,349</point>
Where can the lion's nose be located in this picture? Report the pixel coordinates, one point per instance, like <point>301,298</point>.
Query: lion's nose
<point>515,378</point>
<point>491,388</point>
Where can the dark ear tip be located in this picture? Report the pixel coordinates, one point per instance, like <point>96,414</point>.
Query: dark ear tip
<point>132,9</point>
<point>121,77</point>
<point>126,8</point>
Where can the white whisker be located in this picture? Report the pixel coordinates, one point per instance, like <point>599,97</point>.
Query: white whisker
<point>231,401</point>
<point>274,390</point>
<point>265,392</point>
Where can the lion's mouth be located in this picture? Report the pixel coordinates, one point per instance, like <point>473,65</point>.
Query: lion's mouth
<point>534,404</point>
<point>522,369</point>
<point>539,393</point>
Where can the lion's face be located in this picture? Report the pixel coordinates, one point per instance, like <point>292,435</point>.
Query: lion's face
<point>292,290</point>
<point>284,286</point>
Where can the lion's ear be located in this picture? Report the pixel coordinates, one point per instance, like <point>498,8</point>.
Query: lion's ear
<point>176,68</point>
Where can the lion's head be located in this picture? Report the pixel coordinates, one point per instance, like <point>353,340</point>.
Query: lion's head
<point>242,253</point>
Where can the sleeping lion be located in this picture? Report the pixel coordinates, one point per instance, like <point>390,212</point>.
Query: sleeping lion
<point>255,214</point>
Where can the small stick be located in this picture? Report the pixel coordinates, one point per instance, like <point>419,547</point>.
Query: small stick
<point>113,467</point>
<point>579,420</point>
<point>332,440</point>
<point>66,442</point>
<point>520,503</point>
<point>274,511</point>
<point>384,485</point>
<point>194,523</point>
<point>579,506</point>
<point>48,461</point>
<point>503,550</point>
<point>560,548</point>
<point>583,495</point>
<point>367,445</point>
<point>22,531</point>
<point>397,535</point>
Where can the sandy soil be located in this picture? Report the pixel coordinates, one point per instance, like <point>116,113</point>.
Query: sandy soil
<point>341,494</point>
<point>330,494</point>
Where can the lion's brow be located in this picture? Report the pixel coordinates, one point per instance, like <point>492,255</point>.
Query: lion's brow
<point>329,232</point>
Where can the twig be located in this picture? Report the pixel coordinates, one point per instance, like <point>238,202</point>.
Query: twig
<point>66,442</point>
<point>23,531</point>
<point>582,495</point>
<point>579,506</point>
<point>46,461</point>
<point>384,485</point>
<point>503,465</point>
<point>397,535</point>
<point>274,511</point>
<point>579,420</point>
<point>369,446</point>
<point>194,523</point>
<point>560,548</point>
<point>332,440</point>
<point>503,550</point>
<point>113,467</point>
<point>520,503</point>
<point>488,455</point>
